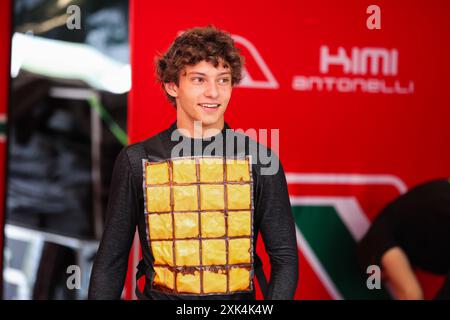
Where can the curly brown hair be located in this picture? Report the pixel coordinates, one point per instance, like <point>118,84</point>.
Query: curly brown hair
<point>195,45</point>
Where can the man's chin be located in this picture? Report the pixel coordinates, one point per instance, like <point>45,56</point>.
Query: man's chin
<point>208,121</point>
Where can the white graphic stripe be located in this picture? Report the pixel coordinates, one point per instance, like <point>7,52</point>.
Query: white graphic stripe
<point>247,81</point>
<point>348,209</point>
<point>317,266</point>
<point>348,179</point>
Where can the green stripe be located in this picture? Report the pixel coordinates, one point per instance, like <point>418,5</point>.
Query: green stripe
<point>116,130</point>
<point>2,127</point>
<point>335,248</point>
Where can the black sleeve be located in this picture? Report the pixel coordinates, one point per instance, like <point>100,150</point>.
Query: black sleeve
<point>279,236</point>
<point>378,240</point>
<point>111,262</point>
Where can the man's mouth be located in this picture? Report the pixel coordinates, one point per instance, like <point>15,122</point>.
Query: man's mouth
<point>209,105</point>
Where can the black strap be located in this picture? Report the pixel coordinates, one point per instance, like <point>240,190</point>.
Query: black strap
<point>136,154</point>
<point>143,270</point>
<point>261,277</point>
<point>262,281</point>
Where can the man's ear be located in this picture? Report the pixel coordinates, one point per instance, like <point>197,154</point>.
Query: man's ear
<point>171,88</point>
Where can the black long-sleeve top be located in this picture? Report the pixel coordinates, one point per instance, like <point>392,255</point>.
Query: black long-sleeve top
<point>125,211</point>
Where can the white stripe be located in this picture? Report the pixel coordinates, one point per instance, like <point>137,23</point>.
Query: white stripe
<point>348,209</point>
<point>344,178</point>
<point>247,80</point>
<point>317,266</point>
<point>72,93</point>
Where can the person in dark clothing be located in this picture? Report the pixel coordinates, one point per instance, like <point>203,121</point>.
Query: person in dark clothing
<point>198,192</point>
<point>413,231</point>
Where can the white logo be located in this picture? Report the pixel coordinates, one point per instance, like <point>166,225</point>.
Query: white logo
<point>374,279</point>
<point>236,145</point>
<point>74,280</point>
<point>247,80</point>
<point>74,20</point>
<point>374,20</point>
<point>358,62</point>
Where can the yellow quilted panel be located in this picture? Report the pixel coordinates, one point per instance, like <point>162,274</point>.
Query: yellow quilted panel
<point>163,252</point>
<point>187,252</point>
<point>215,281</point>
<point>186,225</point>
<point>213,224</point>
<point>239,251</point>
<point>238,170</point>
<point>211,170</point>
<point>158,199</point>
<point>239,279</point>
<point>185,198</point>
<point>212,197</point>
<point>214,252</point>
<point>238,196</point>
<point>200,224</point>
<point>164,277</point>
<point>158,173</point>
<point>160,226</point>
<point>239,223</point>
<point>188,283</point>
<point>184,171</point>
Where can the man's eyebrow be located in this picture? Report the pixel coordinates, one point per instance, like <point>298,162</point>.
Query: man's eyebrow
<point>204,74</point>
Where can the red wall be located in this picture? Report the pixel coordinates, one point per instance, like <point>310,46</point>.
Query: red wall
<point>5,38</point>
<point>402,136</point>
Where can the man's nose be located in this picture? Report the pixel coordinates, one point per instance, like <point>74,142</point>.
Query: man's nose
<point>211,90</point>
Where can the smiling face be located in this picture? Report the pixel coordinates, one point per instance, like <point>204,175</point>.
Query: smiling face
<point>202,95</point>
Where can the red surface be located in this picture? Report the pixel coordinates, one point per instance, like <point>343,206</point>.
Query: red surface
<point>404,135</point>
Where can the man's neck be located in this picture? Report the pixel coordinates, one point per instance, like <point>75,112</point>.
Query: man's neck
<point>198,130</point>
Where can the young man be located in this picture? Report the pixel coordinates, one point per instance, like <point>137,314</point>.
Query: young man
<point>198,204</point>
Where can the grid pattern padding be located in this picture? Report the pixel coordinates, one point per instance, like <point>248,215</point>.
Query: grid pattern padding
<point>199,213</point>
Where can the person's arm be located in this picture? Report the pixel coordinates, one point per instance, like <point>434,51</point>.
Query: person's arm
<point>279,236</point>
<point>111,262</point>
<point>400,275</point>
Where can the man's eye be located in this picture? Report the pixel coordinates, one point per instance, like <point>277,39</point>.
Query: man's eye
<point>198,80</point>
<point>224,80</point>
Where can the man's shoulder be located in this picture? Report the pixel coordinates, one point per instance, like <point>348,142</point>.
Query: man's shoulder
<point>265,158</point>
<point>251,136</point>
<point>149,147</point>
<point>143,142</point>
